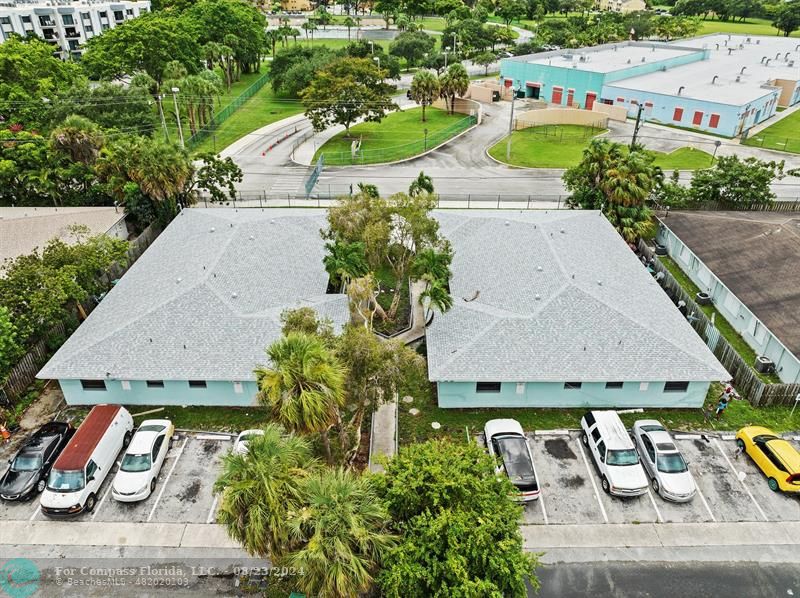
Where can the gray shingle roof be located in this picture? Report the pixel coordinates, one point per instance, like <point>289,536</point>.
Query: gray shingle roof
<point>560,297</point>
<point>204,305</point>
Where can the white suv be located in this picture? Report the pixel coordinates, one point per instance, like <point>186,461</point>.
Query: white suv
<point>614,454</point>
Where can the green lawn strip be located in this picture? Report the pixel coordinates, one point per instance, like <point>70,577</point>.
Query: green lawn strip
<point>752,26</point>
<point>734,338</point>
<point>335,43</point>
<point>217,419</point>
<point>399,135</point>
<point>457,423</point>
<point>264,108</point>
<point>385,277</point>
<point>432,23</point>
<point>561,147</point>
<point>784,135</point>
<point>683,158</point>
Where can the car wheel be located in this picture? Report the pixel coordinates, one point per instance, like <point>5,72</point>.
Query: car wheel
<point>740,444</point>
<point>41,486</point>
<point>606,485</point>
<point>656,486</point>
<point>152,485</point>
<point>773,484</point>
<point>90,500</point>
<point>585,439</point>
<point>127,440</point>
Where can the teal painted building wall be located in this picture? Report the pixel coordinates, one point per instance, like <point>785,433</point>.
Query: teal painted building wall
<point>174,392</point>
<point>581,79</point>
<point>554,394</point>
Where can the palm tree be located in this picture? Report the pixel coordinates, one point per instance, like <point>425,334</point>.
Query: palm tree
<point>260,488</point>
<point>343,530</point>
<point>454,82</point>
<point>273,37</point>
<point>432,264</point>
<point>422,183</point>
<point>304,386</point>
<point>349,22</point>
<point>79,138</point>
<point>309,27</point>
<point>424,89</point>
<point>345,261</point>
<point>437,297</point>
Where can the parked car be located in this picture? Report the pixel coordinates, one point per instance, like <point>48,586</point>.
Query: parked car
<point>27,472</point>
<point>613,453</point>
<point>775,457</point>
<point>83,465</point>
<point>142,462</point>
<point>506,441</point>
<point>240,445</point>
<point>669,473</point>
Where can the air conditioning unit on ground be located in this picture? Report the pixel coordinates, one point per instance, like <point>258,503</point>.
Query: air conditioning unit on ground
<point>764,365</point>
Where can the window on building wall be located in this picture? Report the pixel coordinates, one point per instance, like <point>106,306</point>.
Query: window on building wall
<point>67,19</point>
<point>677,115</point>
<point>713,121</point>
<point>613,385</point>
<point>487,387</point>
<point>676,386</point>
<point>27,20</point>
<point>572,385</point>
<point>155,384</point>
<point>197,383</point>
<point>620,100</point>
<point>5,20</point>
<point>93,384</point>
<point>238,388</point>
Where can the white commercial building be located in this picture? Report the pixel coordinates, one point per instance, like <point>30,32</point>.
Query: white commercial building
<point>64,23</point>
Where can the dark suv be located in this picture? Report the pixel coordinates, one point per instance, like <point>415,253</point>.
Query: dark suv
<point>28,470</point>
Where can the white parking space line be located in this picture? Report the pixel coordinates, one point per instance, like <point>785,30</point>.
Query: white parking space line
<point>166,480</point>
<point>99,505</point>
<point>705,504</point>
<point>213,512</point>
<point>591,479</point>
<point>741,481</point>
<point>655,506</point>
<point>36,512</point>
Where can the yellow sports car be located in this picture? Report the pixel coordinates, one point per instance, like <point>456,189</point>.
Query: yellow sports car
<point>774,456</point>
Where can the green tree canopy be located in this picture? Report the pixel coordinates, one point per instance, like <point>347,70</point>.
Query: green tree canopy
<point>10,349</point>
<point>436,492</point>
<point>413,46</point>
<point>734,180</point>
<point>147,44</point>
<point>345,90</point>
<point>31,80</point>
<point>293,69</point>
<point>425,89</point>
<point>787,17</point>
<point>454,83</point>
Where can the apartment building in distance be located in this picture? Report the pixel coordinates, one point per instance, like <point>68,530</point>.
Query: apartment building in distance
<point>64,23</point>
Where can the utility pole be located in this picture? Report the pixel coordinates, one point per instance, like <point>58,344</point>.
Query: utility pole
<point>163,120</point>
<point>637,125</point>
<point>175,91</point>
<point>511,122</point>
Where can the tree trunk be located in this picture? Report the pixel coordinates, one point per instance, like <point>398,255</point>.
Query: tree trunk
<point>326,446</point>
<point>395,304</point>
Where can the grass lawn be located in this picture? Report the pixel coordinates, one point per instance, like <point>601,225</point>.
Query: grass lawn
<point>684,158</point>
<point>432,23</point>
<point>561,147</point>
<point>399,135</point>
<point>334,44</point>
<point>784,135</point>
<point>734,338</point>
<point>457,423</point>
<point>750,27</point>
<point>262,109</point>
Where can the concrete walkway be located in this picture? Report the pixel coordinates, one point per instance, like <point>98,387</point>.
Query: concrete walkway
<point>383,435</point>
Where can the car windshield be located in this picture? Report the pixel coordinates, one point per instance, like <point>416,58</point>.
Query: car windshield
<point>622,457</point>
<point>26,463</point>
<point>65,481</point>
<point>671,463</point>
<point>134,463</point>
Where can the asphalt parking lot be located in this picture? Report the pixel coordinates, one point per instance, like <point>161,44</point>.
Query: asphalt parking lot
<point>730,489</point>
<point>183,494</point>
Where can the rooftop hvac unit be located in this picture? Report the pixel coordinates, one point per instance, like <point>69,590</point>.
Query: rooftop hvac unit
<point>764,365</point>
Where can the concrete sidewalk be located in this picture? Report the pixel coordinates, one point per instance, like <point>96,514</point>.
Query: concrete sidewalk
<point>383,436</point>
<point>90,533</point>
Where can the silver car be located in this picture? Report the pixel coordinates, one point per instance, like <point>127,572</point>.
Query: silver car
<point>663,462</point>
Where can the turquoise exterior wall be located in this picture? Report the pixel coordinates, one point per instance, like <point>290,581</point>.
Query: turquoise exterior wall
<point>175,392</point>
<point>551,394</point>
<point>752,330</point>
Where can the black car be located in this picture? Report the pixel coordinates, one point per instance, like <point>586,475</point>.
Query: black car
<point>28,470</point>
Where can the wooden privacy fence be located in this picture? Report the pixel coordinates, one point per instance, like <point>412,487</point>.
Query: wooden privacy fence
<point>24,372</point>
<point>744,377</point>
<point>779,205</point>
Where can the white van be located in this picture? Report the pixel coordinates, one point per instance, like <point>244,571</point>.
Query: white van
<point>614,454</point>
<point>80,469</point>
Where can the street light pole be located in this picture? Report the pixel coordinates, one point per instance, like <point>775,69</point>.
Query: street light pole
<point>446,50</point>
<point>175,91</point>
<point>511,122</point>
<point>371,47</point>
<point>637,125</point>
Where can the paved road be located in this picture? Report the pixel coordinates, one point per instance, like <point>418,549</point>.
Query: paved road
<point>668,580</point>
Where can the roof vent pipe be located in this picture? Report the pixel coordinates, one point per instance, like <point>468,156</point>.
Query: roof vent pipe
<point>767,62</point>
<point>714,79</point>
<point>642,58</point>
<point>763,58</point>
<point>742,71</point>
<point>738,78</point>
<point>778,55</point>
<point>680,89</point>
<point>726,43</point>
<point>797,47</point>
<point>717,46</point>
<point>758,41</point>
<point>729,51</point>
<point>786,56</point>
